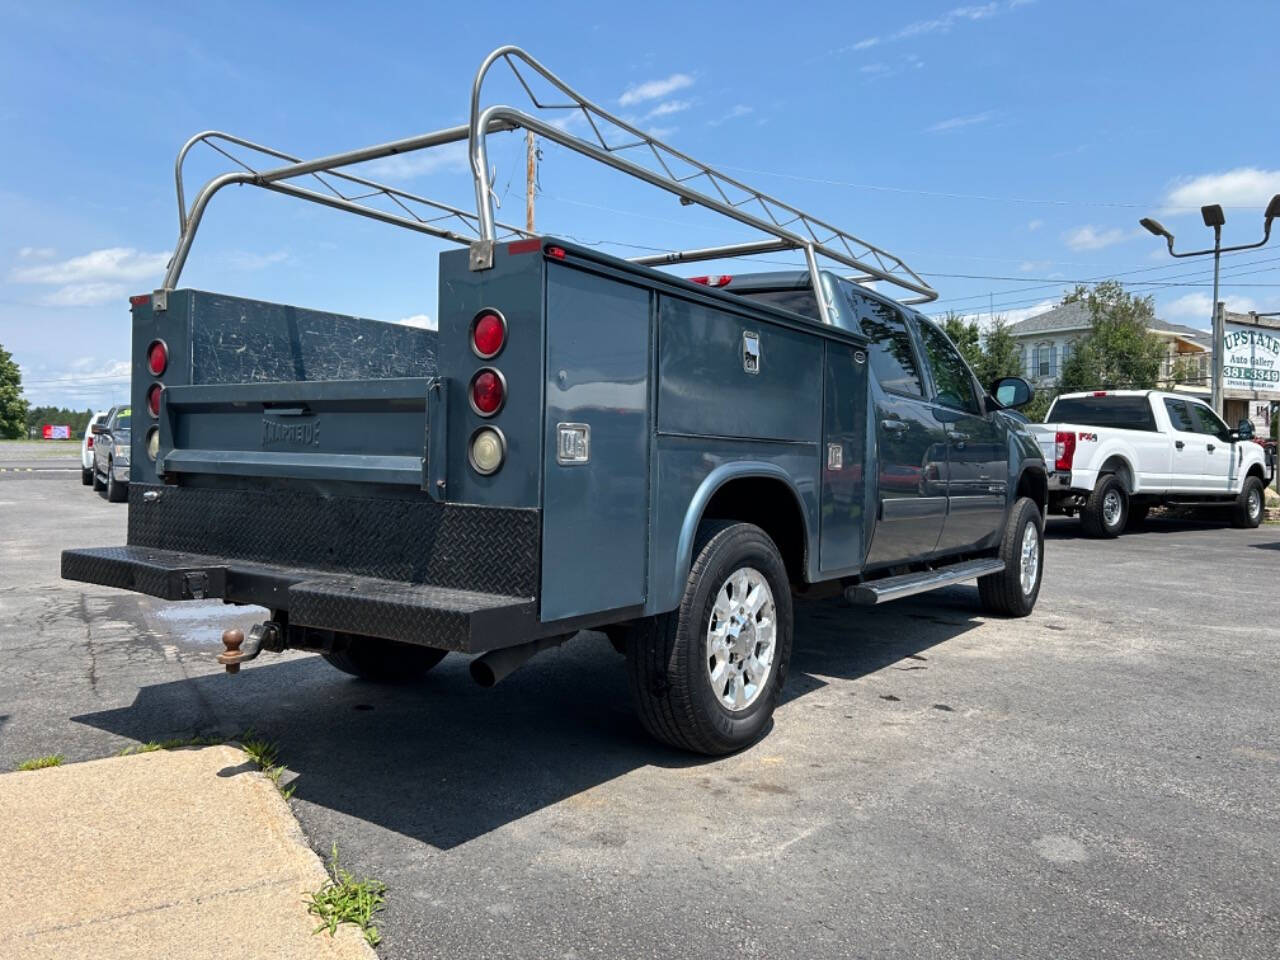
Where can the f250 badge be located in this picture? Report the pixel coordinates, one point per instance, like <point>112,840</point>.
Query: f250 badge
<point>291,433</point>
<point>1089,437</point>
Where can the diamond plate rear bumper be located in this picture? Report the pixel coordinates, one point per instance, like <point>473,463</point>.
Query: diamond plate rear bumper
<point>434,616</point>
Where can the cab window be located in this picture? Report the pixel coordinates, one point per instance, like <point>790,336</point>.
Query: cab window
<point>951,376</point>
<point>893,357</point>
<point>1179,415</point>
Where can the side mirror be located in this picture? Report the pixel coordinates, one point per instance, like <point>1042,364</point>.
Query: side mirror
<point>1012,392</point>
<point>97,429</point>
<point>1245,429</point>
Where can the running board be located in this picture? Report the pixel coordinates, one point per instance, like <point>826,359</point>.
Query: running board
<point>908,584</point>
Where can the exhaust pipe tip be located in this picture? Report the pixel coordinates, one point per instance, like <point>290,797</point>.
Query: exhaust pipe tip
<point>490,669</point>
<point>483,673</point>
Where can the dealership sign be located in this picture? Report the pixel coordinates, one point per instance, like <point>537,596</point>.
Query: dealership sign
<point>1251,361</point>
<point>56,431</point>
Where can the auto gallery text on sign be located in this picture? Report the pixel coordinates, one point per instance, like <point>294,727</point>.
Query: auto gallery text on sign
<point>1252,359</point>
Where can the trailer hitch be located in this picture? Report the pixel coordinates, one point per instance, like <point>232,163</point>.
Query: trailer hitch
<point>262,636</point>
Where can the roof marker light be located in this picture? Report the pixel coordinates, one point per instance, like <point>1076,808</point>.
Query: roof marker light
<point>715,280</point>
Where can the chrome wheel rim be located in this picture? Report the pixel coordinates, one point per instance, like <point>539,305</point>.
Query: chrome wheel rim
<point>1111,508</point>
<point>1254,503</point>
<point>741,639</point>
<point>1030,558</point>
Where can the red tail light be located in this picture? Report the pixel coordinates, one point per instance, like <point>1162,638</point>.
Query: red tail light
<point>1099,393</point>
<point>558,253</point>
<point>715,280</point>
<point>488,334</point>
<point>89,442</point>
<point>157,357</point>
<point>488,391</point>
<point>1064,449</point>
<point>153,399</point>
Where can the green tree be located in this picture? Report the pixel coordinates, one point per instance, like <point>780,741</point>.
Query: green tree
<point>1001,355</point>
<point>13,405</point>
<point>1120,350</point>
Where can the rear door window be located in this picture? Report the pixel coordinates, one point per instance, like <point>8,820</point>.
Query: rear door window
<point>1207,422</point>
<point>1179,415</point>
<point>893,356</point>
<point>1123,413</point>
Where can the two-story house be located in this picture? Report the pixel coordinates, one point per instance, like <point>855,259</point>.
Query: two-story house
<point>1047,339</point>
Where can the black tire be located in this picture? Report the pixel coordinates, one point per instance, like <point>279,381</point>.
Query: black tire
<point>1249,506</point>
<point>619,635</point>
<point>667,657</point>
<point>384,661</point>
<point>117,492</point>
<point>1137,515</point>
<point>98,485</point>
<point>1003,593</point>
<point>1093,516</point>
<point>86,476</point>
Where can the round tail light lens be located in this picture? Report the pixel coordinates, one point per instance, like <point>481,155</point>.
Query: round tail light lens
<point>153,399</point>
<point>487,451</point>
<point>157,357</point>
<point>153,442</point>
<point>488,334</point>
<point>488,392</point>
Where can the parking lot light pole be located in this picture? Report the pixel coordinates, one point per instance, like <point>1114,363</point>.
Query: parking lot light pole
<point>1214,217</point>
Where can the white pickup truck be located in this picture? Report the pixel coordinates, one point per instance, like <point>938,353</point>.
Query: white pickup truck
<point>1117,453</point>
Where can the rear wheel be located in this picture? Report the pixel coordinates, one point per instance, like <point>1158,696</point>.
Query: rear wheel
<point>384,661</point>
<point>1247,511</point>
<point>1107,509</point>
<point>707,676</point>
<point>86,476</point>
<point>1013,591</point>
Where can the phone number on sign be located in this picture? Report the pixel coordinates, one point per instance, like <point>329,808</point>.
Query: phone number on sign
<point>1249,373</point>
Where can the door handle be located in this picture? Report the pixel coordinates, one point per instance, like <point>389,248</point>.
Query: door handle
<point>1211,448</point>
<point>1179,444</point>
<point>894,426</point>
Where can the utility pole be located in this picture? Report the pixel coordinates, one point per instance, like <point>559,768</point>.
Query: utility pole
<point>531,178</point>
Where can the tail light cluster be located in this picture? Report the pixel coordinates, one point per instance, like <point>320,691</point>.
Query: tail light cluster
<point>157,364</point>
<point>1064,449</point>
<point>487,392</point>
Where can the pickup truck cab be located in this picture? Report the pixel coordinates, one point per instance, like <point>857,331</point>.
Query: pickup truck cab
<point>587,443</point>
<point>1117,453</point>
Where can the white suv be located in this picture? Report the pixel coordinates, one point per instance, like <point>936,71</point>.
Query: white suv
<point>86,449</point>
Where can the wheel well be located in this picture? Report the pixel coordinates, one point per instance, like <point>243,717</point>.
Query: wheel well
<point>772,507</point>
<point>1034,484</point>
<point>1120,467</point>
<point>1256,471</point>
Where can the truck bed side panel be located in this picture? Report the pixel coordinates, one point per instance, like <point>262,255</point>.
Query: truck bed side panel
<point>595,514</point>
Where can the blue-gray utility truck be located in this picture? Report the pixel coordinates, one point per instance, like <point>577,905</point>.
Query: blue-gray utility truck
<point>587,443</point>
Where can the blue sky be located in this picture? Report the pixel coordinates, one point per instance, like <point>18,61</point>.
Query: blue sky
<point>1004,149</point>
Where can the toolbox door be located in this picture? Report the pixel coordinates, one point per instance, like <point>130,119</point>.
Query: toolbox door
<point>596,445</point>
<point>844,436</point>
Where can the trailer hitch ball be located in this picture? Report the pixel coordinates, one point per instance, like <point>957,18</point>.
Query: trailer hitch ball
<point>239,649</point>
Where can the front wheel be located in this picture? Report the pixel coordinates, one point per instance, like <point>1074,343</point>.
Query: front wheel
<point>117,492</point>
<point>384,661</point>
<point>707,676</point>
<point>1247,511</point>
<point>1013,591</point>
<point>1107,509</point>
<point>86,476</point>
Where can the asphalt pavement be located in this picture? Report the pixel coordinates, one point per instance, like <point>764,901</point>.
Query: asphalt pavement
<point>1097,780</point>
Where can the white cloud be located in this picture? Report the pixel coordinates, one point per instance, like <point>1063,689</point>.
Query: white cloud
<point>1093,238</point>
<point>984,320</point>
<point>1195,309</point>
<point>866,44</point>
<point>1034,266</point>
<point>946,21</point>
<point>1034,225</point>
<point>655,89</point>
<point>243,260</point>
<point>37,253</point>
<point>97,277</point>
<point>118,264</point>
<point>957,123</point>
<point>1242,187</point>
<point>449,158</point>
<point>873,68</point>
<point>420,320</point>
<point>734,112</point>
<point>668,107</point>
